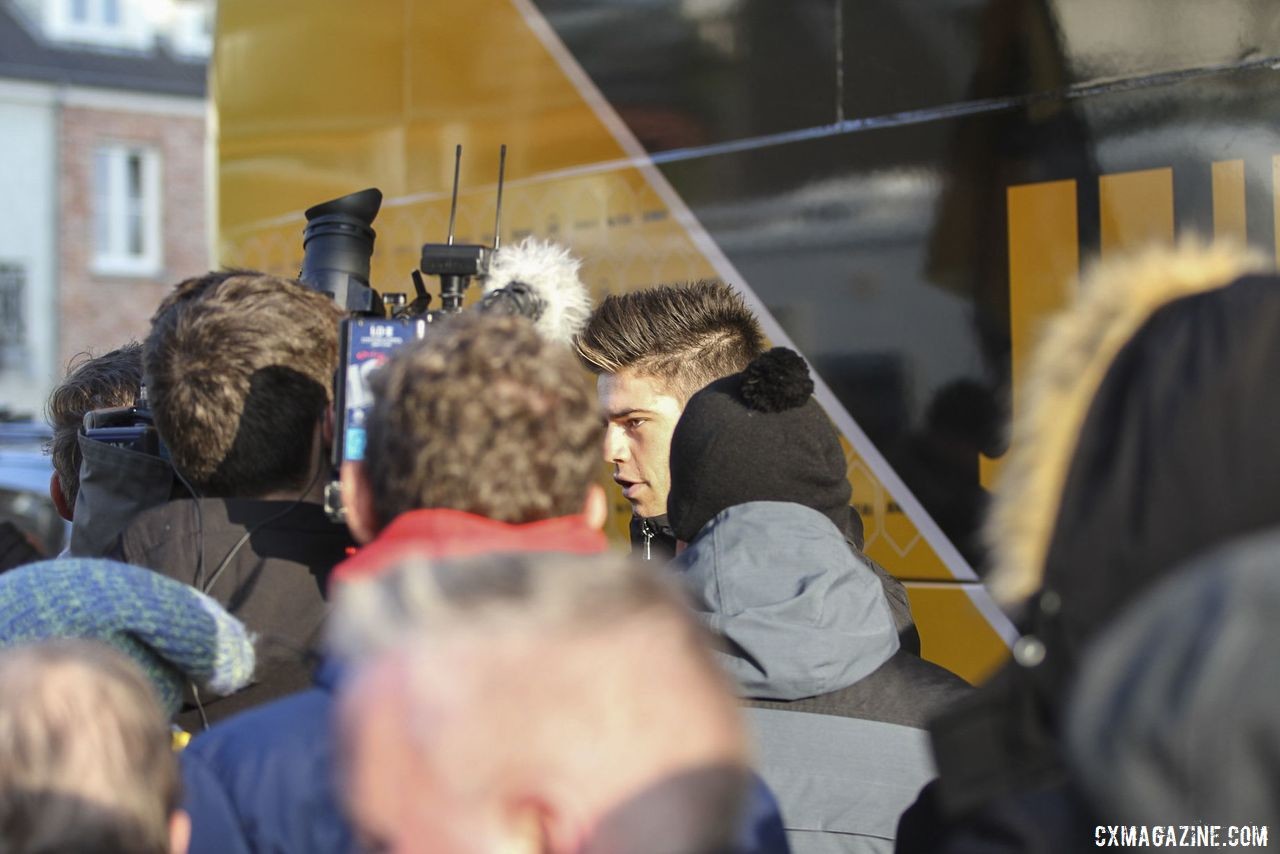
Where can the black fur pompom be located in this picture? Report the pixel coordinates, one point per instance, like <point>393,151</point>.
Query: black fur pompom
<point>776,381</point>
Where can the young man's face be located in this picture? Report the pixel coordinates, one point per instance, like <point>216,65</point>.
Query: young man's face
<point>640,416</point>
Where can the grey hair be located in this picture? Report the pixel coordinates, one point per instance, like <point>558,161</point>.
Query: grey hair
<point>86,755</point>
<point>655,706</point>
<point>507,592</point>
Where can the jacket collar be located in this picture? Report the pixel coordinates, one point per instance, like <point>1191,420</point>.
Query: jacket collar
<point>652,538</point>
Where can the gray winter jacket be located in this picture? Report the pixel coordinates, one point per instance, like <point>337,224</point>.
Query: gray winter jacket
<point>837,711</point>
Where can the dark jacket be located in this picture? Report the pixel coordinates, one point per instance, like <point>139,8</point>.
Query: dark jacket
<point>116,484</point>
<point>265,780</point>
<point>1174,712</point>
<point>837,708</point>
<point>277,556</point>
<point>652,538</point>
<point>1149,438</point>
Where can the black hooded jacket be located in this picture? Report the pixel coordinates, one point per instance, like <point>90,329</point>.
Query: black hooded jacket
<point>1149,439</point>
<point>267,562</point>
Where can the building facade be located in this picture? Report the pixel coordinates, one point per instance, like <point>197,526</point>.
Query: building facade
<point>104,159</point>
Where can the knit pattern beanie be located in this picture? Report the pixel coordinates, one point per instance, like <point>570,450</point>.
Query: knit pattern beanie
<point>174,632</point>
<point>758,435</point>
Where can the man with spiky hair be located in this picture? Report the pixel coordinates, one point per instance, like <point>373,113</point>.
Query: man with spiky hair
<point>238,368</point>
<point>650,351</point>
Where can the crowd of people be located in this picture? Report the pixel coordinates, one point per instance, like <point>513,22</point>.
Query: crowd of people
<point>464,664</point>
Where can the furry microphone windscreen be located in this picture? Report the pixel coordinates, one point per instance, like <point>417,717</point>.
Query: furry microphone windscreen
<point>550,273</point>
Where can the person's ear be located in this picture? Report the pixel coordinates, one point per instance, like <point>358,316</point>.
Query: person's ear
<point>357,500</point>
<point>326,426</point>
<point>59,500</point>
<point>531,827</point>
<point>595,508</point>
<point>179,832</point>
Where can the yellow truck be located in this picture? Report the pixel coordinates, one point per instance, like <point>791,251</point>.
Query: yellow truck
<point>902,190</point>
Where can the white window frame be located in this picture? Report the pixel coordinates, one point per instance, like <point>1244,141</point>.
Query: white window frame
<point>113,207</point>
<point>129,30</point>
<point>191,31</point>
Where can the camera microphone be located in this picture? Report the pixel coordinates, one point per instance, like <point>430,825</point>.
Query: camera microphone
<point>538,280</point>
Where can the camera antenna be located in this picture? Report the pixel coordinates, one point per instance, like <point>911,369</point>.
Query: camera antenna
<point>456,265</point>
<point>453,206</point>
<point>497,216</point>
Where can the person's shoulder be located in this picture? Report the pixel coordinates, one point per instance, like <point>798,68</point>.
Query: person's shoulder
<point>215,824</point>
<point>933,677</point>
<point>296,722</point>
<point>296,522</point>
<point>162,538</point>
<point>272,769</point>
<point>922,689</point>
<point>905,691</point>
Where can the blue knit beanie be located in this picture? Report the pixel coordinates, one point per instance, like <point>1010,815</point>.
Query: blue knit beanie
<point>174,632</point>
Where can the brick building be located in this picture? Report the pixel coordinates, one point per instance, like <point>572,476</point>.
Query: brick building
<point>104,160</point>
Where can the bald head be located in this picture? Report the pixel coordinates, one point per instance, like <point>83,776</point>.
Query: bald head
<point>573,704</point>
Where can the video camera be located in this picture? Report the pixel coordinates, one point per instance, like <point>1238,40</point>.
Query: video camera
<point>337,247</point>
<point>129,427</point>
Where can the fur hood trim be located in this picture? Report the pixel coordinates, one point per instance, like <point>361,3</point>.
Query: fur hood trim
<point>1072,358</point>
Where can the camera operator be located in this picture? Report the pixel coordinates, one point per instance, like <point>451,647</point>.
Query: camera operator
<point>238,367</point>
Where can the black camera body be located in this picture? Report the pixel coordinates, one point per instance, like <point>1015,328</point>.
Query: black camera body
<point>337,249</point>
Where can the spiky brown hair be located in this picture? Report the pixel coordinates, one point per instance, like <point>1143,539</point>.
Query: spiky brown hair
<point>684,335</point>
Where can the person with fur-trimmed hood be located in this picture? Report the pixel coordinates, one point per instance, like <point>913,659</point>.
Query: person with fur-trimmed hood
<point>1147,438</point>
<point>837,707</point>
<point>1200,647</point>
